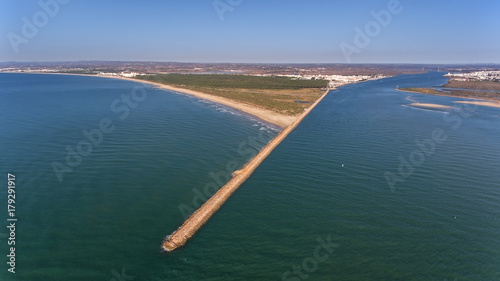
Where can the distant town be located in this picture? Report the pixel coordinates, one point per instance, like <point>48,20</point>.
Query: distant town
<point>476,76</point>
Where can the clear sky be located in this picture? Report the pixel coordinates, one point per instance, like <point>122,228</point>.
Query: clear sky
<point>260,31</point>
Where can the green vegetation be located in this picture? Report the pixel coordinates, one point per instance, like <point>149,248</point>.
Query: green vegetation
<point>234,81</point>
<point>474,85</point>
<point>278,94</point>
<point>429,91</point>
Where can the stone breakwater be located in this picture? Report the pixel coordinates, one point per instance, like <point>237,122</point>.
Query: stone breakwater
<point>200,216</point>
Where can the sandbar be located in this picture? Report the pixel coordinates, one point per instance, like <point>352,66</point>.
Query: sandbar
<point>430,105</point>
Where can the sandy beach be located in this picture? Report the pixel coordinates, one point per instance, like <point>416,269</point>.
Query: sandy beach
<point>483,103</point>
<point>275,118</point>
<point>430,105</point>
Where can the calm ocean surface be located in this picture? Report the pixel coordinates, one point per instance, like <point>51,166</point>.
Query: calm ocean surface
<point>366,188</point>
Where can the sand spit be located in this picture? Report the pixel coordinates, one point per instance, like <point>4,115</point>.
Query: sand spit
<point>272,117</point>
<point>430,105</point>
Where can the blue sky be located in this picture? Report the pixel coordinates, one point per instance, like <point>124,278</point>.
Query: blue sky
<point>259,31</point>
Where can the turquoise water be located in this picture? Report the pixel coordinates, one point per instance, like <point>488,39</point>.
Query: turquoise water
<point>326,184</point>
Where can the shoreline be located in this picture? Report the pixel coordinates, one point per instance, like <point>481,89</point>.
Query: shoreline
<point>268,116</point>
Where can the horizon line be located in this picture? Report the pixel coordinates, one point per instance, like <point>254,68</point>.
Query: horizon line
<point>270,63</point>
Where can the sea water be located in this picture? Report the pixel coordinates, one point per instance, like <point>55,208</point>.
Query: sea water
<point>367,187</point>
